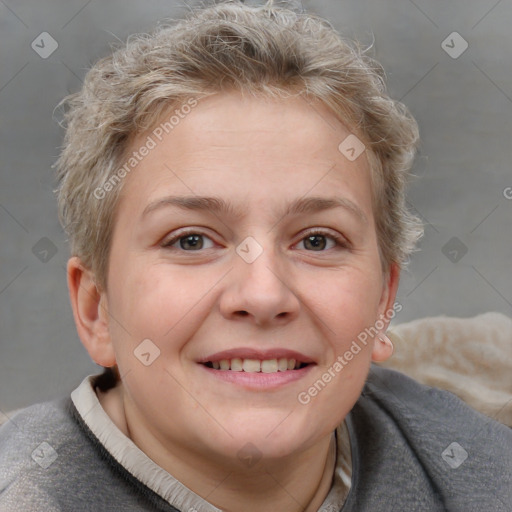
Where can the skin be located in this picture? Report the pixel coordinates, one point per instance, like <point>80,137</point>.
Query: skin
<point>259,155</point>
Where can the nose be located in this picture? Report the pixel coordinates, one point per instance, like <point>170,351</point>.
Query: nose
<point>259,292</point>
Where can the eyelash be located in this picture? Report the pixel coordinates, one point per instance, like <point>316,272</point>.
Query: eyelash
<point>341,242</point>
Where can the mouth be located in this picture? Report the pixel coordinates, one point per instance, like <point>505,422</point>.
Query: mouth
<point>258,369</point>
<point>250,365</point>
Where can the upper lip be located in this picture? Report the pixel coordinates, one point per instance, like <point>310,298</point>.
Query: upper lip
<point>250,353</point>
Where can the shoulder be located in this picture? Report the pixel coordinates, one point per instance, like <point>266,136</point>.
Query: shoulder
<point>30,442</point>
<point>408,401</point>
<point>425,413</point>
<point>50,460</point>
<point>48,422</point>
<point>428,438</point>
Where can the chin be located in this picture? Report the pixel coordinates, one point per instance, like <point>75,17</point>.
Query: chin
<point>271,435</point>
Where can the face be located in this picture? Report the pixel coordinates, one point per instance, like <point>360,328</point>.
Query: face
<point>244,240</point>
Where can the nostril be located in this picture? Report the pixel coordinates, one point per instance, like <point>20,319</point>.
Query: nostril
<point>242,313</point>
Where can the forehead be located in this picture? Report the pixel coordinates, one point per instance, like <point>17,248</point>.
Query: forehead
<point>247,147</point>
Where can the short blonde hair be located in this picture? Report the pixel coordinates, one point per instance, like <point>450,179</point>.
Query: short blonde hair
<point>266,50</point>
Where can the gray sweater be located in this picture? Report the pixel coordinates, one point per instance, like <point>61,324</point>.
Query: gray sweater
<point>414,448</point>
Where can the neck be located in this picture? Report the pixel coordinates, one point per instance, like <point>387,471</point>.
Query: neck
<point>296,483</point>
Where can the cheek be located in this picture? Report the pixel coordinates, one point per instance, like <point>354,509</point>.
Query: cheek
<point>347,306</point>
<point>347,302</point>
<point>153,301</point>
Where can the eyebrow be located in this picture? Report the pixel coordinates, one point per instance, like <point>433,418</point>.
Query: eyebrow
<point>218,205</point>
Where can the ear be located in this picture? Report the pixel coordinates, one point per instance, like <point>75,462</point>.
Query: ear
<point>382,350</point>
<point>90,310</point>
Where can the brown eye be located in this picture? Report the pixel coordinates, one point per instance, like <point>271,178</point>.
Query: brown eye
<point>189,242</point>
<point>320,241</point>
<point>315,242</point>
<point>194,242</point>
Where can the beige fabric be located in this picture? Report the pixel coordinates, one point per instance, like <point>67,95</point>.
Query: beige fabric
<point>471,357</point>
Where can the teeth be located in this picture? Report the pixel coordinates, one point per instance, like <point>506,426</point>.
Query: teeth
<point>252,365</point>
<point>282,364</point>
<point>237,365</point>
<point>269,366</point>
<point>255,365</point>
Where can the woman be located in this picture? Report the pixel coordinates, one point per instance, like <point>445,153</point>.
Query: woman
<point>233,189</point>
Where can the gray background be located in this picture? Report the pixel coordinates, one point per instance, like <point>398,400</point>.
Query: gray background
<point>463,106</point>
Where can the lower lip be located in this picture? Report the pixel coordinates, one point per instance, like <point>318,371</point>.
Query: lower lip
<point>259,380</point>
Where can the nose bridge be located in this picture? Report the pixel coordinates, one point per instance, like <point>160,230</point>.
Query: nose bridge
<point>258,269</point>
<point>258,285</point>
<point>263,270</point>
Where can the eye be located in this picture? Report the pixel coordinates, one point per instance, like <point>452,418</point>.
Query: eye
<point>319,241</point>
<point>189,241</point>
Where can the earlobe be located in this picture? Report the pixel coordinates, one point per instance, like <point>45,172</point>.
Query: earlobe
<point>382,348</point>
<point>90,311</point>
<point>382,345</point>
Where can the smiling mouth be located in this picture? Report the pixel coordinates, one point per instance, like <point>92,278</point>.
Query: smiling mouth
<point>256,365</point>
